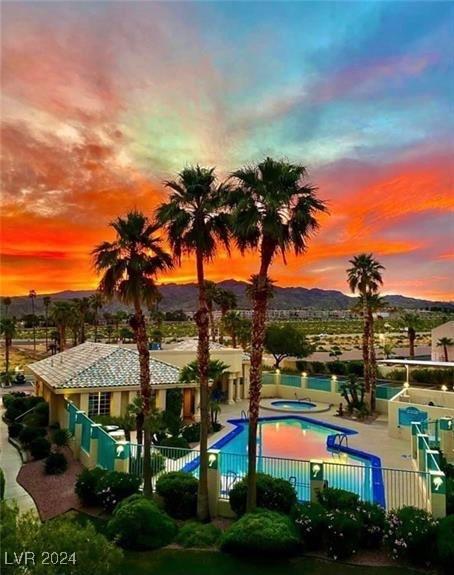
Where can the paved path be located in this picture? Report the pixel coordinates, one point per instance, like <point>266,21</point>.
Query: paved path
<point>11,463</point>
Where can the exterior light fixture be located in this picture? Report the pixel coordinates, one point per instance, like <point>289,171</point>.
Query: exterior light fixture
<point>444,388</point>
<point>304,374</point>
<point>406,385</point>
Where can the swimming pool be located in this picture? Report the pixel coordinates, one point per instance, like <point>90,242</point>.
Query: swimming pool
<point>291,405</point>
<point>285,444</point>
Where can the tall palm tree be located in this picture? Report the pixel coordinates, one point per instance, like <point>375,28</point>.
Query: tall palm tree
<point>97,301</point>
<point>6,303</point>
<point>274,210</point>
<point>411,322</point>
<point>195,220</point>
<point>129,266</point>
<point>232,323</point>
<point>445,342</point>
<point>8,330</point>
<point>211,291</point>
<point>375,304</point>
<point>226,300</point>
<point>365,278</point>
<point>82,307</point>
<point>32,296</point>
<point>46,303</point>
<point>62,314</point>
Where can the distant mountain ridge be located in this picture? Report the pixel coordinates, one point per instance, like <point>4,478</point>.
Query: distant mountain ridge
<point>184,296</point>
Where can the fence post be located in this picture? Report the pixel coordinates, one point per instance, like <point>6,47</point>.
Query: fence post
<point>214,481</point>
<point>334,384</point>
<point>446,430</point>
<point>438,494</point>
<point>94,434</point>
<point>414,439</point>
<point>78,433</point>
<point>423,441</point>
<point>121,455</point>
<point>317,482</point>
<point>277,380</point>
<point>432,460</point>
<point>304,380</point>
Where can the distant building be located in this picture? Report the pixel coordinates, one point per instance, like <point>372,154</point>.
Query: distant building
<point>442,331</point>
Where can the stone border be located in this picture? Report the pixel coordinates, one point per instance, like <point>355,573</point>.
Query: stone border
<point>319,406</point>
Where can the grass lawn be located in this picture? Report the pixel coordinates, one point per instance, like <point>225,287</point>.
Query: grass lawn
<point>176,562</point>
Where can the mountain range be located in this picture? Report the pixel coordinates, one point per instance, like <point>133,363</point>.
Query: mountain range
<point>184,296</point>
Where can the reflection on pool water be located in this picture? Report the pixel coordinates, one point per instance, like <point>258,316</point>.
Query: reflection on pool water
<point>294,405</point>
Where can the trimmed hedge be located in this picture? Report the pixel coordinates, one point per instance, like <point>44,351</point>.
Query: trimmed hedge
<point>272,493</point>
<point>179,492</point>
<point>139,525</point>
<point>263,533</point>
<point>201,535</point>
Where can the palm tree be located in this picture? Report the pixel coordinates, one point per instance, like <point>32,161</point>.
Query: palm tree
<point>46,303</point>
<point>273,210</point>
<point>226,300</point>
<point>195,220</point>
<point>365,278</point>
<point>8,330</point>
<point>6,303</point>
<point>32,296</point>
<point>375,303</point>
<point>211,291</point>
<point>232,323</point>
<point>82,307</point>
<point>411,322</point>
<point>445,342</point>
<point>129,266</point>
<point>62,314</point>
<point>97,300</point>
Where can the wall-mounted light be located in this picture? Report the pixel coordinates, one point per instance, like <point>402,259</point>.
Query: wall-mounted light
<point>444,388</point>
<point>304,374</point>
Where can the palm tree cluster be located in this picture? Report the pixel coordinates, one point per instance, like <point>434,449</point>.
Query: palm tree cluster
<point>269,208</point>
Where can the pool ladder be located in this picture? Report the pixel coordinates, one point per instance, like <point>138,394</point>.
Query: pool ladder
<point>343,437</point>
<point>244,415</point>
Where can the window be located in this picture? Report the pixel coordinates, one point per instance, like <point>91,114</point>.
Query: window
<point>98,404</point>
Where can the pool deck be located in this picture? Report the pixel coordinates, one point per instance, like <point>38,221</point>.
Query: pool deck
<point>372,437</point>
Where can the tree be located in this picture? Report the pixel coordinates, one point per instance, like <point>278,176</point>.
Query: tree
<point>82,307</point>
<point>195,220</point>
<point>62,314</point>
<point>46,302</point>
<point>365,278</point>
<point>411,322</point>
<point>6,304</point>
<point>274,211</point>
<point>226,300</point>
<point>32,296</point>
<point>211,293</point>
<point>232,323</point>
<point>8,330</point>
<point>445,342</point>
<point>97,301</point>
<point>375,304</point>
<point>283,341</point>
<point>118,318</point>
<point>129,266</point>
<point>388,349</point>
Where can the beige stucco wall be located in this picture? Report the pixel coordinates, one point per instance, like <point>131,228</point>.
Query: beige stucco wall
<point>444,330</point>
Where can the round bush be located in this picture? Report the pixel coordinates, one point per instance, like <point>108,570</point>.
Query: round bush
<point>39,417</point>
<point>343,534</point>
<point>140,525</point>
<point>55,464</point>
<point>60,437</point>
<point>115,486</point>
<point>39,448</point>
<point>410,534</point>
<point>310,521</point>
<point>332,498</point>
<point>87,485</point>
<point>28,434</point>
<point>373,519</point>
<point>263,533</point>
<point>450,495</point>
<point>194,534</point>
<point>179,492</point>
<point>272,493</point>
<point>445,543</point>
<point>14,429</point>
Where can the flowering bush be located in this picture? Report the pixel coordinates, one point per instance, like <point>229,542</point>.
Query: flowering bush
<point>410,534</point>
<point>87,485</point>
<point>343,534</point>
<point>310,521</point>
<point>115,486</point>
<point>373,519</point>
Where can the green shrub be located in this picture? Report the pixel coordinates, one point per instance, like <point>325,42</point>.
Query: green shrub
<point>191,432</point>
<point>115,486</point>
<point>39,417</point>
<point>410,534</point>
<point>140,525</point>
<point>39,448</point>
<point>337,499</point>
<point>343,534</point>
<point>55,464</point>
<point>355,368</point>
<point>310,521</point>
<point>179,492</point>
<point>158,463</point>
<point>19,404</point>
<point>263,533</point>
<point>28,434</point>
<point>60,437</point>
<point>14,429</point>
<point>450,495</point>
<point>337,367</point>
<point>2,485</point>
<point>373,520</point>
<point>178,447</point>
<point>9,398</point>
<point>87,485</point>
<point>318,367</point>
<point>445,543</point>
<point>194,534</point>
<point>272,493</point>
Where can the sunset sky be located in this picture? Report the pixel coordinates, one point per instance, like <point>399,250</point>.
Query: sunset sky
<point>102,101</point>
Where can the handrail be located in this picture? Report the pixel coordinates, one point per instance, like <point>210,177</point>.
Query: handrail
<point>244,415</point>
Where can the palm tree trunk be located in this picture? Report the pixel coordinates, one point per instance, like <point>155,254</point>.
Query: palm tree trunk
<point>234,344</point>
<point>445,350</point>
<point>221,327</point>
<point>62,337</point>
<point>411,338</point>
<point>7,346</point>
<point>372,362</point>
<point>213,332</point>
<point>146,394</point>
<point>203,358</point>
<point>366,359</point>
<point>96,325</point>
<point>47,317</point>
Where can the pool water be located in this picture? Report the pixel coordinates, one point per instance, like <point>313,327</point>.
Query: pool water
<point>294,405</point>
